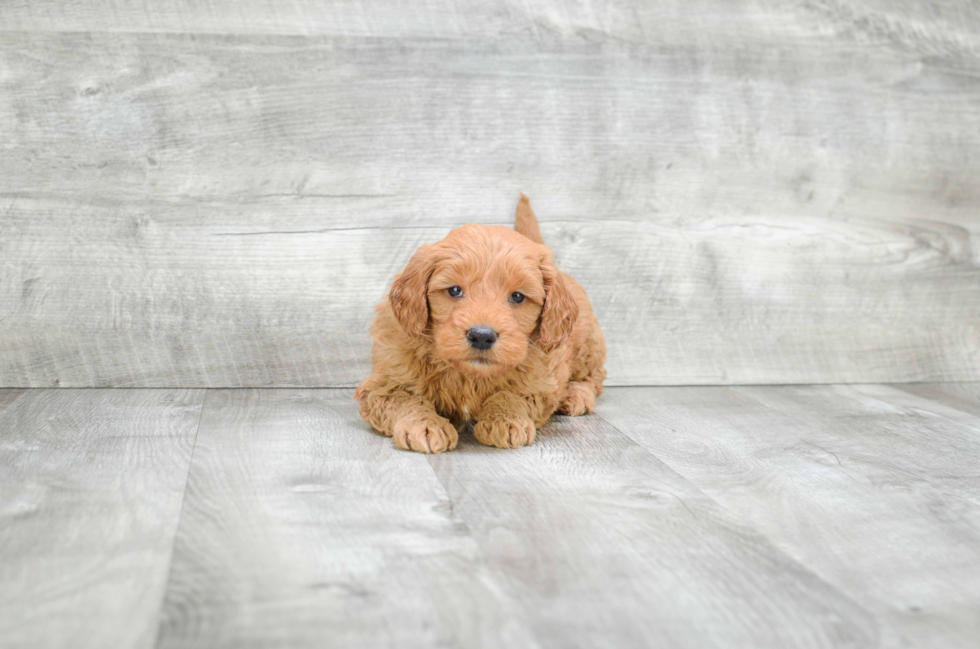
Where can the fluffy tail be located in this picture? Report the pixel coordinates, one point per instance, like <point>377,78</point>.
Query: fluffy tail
<point>525,223</point>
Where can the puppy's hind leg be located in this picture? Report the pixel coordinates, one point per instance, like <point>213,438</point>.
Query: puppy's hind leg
<point>588,373</point>
<point>580,399</point>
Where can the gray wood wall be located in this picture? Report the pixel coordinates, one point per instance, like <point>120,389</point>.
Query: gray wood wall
<point>216,193</point>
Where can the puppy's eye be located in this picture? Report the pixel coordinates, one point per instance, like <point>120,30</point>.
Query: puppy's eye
<point>454,291</point>
<point>516,298</point>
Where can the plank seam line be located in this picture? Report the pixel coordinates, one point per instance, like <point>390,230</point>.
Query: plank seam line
<point>180,515</point>
<point>747,528</point>
<point>701,491</point>
<point>608,386</point>
<point>647,451</point>
<point>294,34</point>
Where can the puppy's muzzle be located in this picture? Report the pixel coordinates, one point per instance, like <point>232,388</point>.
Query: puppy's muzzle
<point>481,337</point>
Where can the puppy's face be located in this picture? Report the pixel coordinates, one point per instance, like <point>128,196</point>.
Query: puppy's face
<point>482,296</point>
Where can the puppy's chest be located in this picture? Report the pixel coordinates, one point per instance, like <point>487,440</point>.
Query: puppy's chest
<point>461,408</point>
<point>459,401</point>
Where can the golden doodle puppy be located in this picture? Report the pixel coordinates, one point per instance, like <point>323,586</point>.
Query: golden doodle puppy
<point>481,327</point>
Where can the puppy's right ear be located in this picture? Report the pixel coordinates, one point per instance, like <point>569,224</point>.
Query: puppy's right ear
<point>408,296</point>
<point>560,309</point>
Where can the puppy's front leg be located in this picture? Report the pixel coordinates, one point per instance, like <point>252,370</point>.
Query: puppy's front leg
<point>505,420</point>
<point>411,421</point>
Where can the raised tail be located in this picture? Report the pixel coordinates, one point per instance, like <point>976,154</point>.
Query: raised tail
<point>525,223</point>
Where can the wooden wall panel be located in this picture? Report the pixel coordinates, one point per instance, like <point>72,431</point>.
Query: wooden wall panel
<point>751,193</point>
<point>945,26</point>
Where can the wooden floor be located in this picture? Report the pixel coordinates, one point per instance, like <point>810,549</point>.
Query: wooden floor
<point>802,516</point>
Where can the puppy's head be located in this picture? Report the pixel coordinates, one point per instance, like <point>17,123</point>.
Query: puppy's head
<point>482,296</point>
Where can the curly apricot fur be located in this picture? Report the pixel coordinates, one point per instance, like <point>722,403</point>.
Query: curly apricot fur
<point>428,383</point>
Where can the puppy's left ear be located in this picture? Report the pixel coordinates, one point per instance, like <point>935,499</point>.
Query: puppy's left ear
<point>560,309</point>
<point>409,291</point>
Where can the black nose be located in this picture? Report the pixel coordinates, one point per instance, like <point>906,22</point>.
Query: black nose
<point>481,338</point>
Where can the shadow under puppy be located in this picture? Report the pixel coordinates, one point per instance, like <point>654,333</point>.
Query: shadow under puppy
<point>483,327</point>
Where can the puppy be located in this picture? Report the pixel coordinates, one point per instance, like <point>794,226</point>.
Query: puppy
<point>481,327</point>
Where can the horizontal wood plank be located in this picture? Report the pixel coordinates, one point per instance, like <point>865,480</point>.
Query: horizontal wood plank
<point>91,483</point>
<point>795,206</point>
<point>942,26</point>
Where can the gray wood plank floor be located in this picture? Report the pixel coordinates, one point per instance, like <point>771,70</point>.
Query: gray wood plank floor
<point>91,483</point>
<point>793,516</point>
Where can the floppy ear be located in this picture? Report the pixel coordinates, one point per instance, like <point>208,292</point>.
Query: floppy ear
<point>408,296</point>
<point>560,309</point>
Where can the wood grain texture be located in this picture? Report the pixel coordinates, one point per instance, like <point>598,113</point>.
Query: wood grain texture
<point>854,483</point>
<point>917,436</point>
<point>947,403</point>
<point>805,516</point>
<point>90,488</point>
<point>302,528</point>
<point>605,545</point>
<point>8,397</point>
<point>941,27</point>
<point>963,396</point>
<point>751,192</point>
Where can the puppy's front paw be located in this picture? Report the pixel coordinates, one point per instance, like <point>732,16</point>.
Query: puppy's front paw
<point>505,432</point>
<point>580,399</point>
<point>424,433</point>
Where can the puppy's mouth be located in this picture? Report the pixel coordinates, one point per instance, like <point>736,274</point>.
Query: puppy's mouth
<point>481,365</point>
